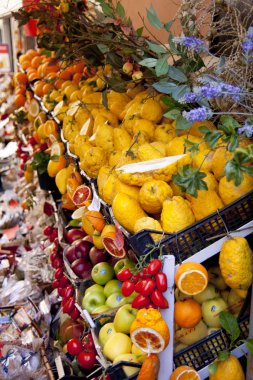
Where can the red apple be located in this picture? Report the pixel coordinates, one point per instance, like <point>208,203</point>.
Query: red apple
<point>71,253</point>
<point>82,248</point>
<point>74,234</point>
<point>81,267</point>
<point>88,238</point>
<point>98,255</point>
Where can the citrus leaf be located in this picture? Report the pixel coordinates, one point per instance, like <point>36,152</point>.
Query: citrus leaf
<point>177,74</point>
<point>164,87</point>
<point>156,48</point>
<point>168,25</point>
<point>182,124</point>
<point>148,62</point>
<point>139,31</point>
<point>173,114</point>
<point>120,10</point>
<point>180,91</point>
<point>106,9</point>
<point>230,325</point>
<point>213,368</point>
<point>161,67</point>
<point>223,355</point>
<point>153,18</point>
<point>190,180</point>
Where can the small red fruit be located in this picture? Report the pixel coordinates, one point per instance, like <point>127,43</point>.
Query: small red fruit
<point>124,275</point>
<point>74,347</point>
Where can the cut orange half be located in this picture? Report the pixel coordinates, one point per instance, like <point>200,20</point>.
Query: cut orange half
<point>110,246</point>
<point>185,373</point>
<point>81,195</point>
<point>191,278</point>
<point>148,340</point>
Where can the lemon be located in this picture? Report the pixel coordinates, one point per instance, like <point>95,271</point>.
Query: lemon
<point>34,108</point>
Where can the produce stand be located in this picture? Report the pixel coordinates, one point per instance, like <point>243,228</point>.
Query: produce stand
<point>126,203</point>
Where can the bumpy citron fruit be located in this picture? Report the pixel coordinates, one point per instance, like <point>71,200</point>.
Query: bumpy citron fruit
<point>153,194</point>
<point>176,214</point>
<point>228,369</point>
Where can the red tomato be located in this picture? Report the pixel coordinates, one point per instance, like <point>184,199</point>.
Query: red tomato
<point>55,284</point>
<point>69,306</point>
<point>124,275</point>
<point>58,273</point>
<point>74,347</point>
<point>154,267</point>
<point>159,300</point>
<point>127,288</point>
<point>140,302</point>
<point>88,343</point>
<point>75,313</point>
<point>69,291</point>
<point>64,281</point>
<point>57,263</point>
<point>161,281</point>
<point>147,287</point>
<point>87,360</point>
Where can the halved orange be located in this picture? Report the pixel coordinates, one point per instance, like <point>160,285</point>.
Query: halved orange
<point>191,278</point>
<point>110,243</point>
<point>82,194</point>
<point>148,340</point>
<point>185,373</point>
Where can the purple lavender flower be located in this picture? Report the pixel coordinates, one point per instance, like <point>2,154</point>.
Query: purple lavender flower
<point>192,43</point>
<point>246,130</point>
<point>189,97</point>
<point>247,45</point>
<point>209,91</point>
<point>197,114</point>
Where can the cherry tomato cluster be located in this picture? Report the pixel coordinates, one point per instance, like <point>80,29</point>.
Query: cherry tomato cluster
<point>62,283</point>
<point>84,350</point>
<point>150,283</point>
<point>23,155</point>
<point>51,233</point>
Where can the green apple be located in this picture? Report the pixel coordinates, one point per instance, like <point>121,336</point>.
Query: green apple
<point>141,355</point>
<point>102,273</point>
<point>215,278</point>
<point>124,318</point>
<point>115,300</point>
<point>101,309</point>
<point>180,296</point>
<point>130,298</point>
<point>105,333</point>
<point>211,310</point>
<point>192,335</point>
<point>123,264</point>
<point>116,345</point>
<point>129,371</point>
<point>94,288</point>
<point>112,286</point>
<point>207,294</point>
<point>93,300</point>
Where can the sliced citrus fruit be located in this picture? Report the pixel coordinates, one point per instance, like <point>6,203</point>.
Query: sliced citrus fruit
<point>57,149</point>
<point>191,278</point>
<point>81,195</point>
<point>97,239</point>
<point>148,340</point>
<point>34,108</point>
<point>93,220</point>
<point>185,373</point>
<point>112,242</point>
<point>77,214</point>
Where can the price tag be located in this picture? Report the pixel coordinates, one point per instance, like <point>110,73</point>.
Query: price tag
<point>59,366</point>
<point>86,316</point>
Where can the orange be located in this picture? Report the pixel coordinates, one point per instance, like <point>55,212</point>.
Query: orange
<point>21,78</point>
<point>77,77</point>
<point>32,76</point>
<point>150,368</point>
<point>20,90</point>
<point>36,61</point>
<point>78,67</point>
<point>20,100</point>
<point>54,166</point>
<point>191,278</point>
<point>58,83</point>
<point>38,88</point>
<point>93,220</point>
<point>73,182</point>
<point>81,195</point>
<point>67,203</point>
<point>149,331</point>
<point>31,53</point>
<point>66,84</point>
<point>25,64</point>
<point>47,88</point>
<point>111,243</point>
<point>50,127</point>
<point>185,373</point>
<point>51,75</point>
<point>65,74</point>
<point>187,313</point>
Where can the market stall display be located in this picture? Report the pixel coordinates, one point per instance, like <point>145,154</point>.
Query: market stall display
<point>127,244</point>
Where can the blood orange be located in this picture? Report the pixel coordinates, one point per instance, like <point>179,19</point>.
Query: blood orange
<point>111,245</point>
<point>81,195</point>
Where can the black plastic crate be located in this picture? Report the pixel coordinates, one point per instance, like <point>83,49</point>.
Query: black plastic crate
<point>116,371</point>
<point>205,351</point>
<point>196,237</point>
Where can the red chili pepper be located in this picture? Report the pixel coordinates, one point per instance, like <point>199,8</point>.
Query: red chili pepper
<point>148,286</point>
<point>69,306</point>
<point>140,302</point>
<point>127,288</point>
<point>159,300</point>
<point>124,275</point>
<point>161,281</point>
<point>154,267</point>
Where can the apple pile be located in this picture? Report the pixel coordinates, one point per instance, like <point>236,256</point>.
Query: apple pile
<point>147,286</point>
<point>106,293</point>
<point>82,254</point>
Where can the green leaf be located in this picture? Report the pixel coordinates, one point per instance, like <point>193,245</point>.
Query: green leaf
<point>161,67</point>
<point>153,18</point>
<point>170,102</point>
<point>164,87</point>
<point>106,9</point>
<point>179,91</point>
<point>190,180</point>
<point>229,121</point>
<point>173,114</point>
<point>120,10</point>
<point>230,325</point>
<point>55,157</point>
<point>223,355</point>
<point>233,143</point>
<point>103,48</point>
<point>191,146</point>
<point>156,48</point>
<point>139,31</point>
<point>213,368</point>
<point>211,137</point>
<point>47,53</point>
<point>177,74</point>
<point>249,345</point>
<point>182,124</point>
<point>148,62</point>
<point>168,25</point>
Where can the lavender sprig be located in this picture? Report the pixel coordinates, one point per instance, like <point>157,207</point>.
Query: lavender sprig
<point>198,114</point>
<point>192,43</point>
<point>247,45</point>
<point>246,130</point>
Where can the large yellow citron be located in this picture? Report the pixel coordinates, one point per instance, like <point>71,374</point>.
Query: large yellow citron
<point>206,202</point>
<point>236,263</point>
<point>152,195</point>
<point>176,214</point>
<point>127,211</point>
<point>229,192</point>
<point>228,369</point>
